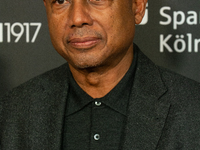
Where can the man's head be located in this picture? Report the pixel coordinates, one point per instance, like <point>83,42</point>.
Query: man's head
<point>91,33</point>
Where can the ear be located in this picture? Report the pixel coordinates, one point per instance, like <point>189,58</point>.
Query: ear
<point>45,3</point>
<point>140,7</point>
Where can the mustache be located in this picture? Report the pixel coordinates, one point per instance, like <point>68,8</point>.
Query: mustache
<point>81,33</point>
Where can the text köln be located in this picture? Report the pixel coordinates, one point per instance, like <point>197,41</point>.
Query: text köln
<point>181,43</point>
<point>178,42</point>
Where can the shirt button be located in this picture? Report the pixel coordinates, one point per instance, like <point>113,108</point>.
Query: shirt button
<point>98,103</point>
<point>96,137</point>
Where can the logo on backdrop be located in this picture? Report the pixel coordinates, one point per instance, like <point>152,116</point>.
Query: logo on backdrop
<point>14,32</point>
<point>179,42</point>
<point>146,16</point>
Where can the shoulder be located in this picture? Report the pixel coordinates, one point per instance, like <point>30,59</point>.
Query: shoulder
<point>41,90</point>
<point>181,92</point>
<point>179,84</point>
<point>37,93</point>
<point>183,119</point>
<point>44,81</point>
<point>33,104</point>
<point>174,82</point>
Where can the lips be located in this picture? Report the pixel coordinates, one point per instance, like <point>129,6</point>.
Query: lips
<point>84,43</point>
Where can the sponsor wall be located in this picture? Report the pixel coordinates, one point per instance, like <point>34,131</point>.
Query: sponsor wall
<point>169,35</point>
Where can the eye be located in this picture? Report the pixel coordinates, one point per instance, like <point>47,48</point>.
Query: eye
<point>61,1</point>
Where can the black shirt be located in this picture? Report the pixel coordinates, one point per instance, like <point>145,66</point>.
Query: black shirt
<point>97,124</point>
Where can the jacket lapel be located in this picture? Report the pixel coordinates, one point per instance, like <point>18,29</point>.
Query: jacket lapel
<point>147,109</point>
<point>47,112</point>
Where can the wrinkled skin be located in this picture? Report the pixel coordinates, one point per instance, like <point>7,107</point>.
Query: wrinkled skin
<point>109,25</point>
<point>94,35</point>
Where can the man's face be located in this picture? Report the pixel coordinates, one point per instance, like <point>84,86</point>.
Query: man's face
<point>91,33</point>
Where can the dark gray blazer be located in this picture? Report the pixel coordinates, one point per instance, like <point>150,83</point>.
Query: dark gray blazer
<point>164,111</point>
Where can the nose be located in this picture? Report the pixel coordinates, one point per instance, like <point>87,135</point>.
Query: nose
<point>79,14</point>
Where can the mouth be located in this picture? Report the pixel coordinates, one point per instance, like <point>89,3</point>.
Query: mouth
<point>84,43</point>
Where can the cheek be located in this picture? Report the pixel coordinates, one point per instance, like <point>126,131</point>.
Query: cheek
<point>55,24</point>
<point>56,29</point>
<point>118,27</point>
<point>120,31</point>
<point>106,21</point>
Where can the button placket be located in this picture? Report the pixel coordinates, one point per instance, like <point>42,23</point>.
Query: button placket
<point>97,136</point>
<point>96,133</point>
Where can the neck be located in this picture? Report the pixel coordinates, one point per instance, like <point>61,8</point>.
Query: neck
<point>97,82</point>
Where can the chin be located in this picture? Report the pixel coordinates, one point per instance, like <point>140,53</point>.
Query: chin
<point>87,64</point>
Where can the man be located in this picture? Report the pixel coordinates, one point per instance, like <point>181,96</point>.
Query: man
<point>108,96</point>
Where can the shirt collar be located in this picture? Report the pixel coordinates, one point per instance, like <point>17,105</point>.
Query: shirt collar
<point>117,99</point>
